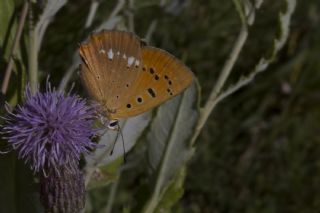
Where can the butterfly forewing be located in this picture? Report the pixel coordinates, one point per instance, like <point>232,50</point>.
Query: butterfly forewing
<point>161,77</point>
<point>109,69</point>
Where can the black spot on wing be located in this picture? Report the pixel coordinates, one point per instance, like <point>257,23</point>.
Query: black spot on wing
<point>151,92</point>
<point>151,70</point>
<point>139,100</point>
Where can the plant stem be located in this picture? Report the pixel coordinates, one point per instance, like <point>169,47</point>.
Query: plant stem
<point>212,101</point>
<point>8,71</point>
<point>130,14</point>
<point>216,95</point>
<point>151,30</point>
<point>92,12</point>
<point>113,193</point>
<point>33,61</point>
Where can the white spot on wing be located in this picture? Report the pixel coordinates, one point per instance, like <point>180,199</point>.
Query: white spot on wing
<point>102,51</point>
<point>137,62</point>
<point>118,53</point>
<point>130,61</point>
<point>124,56</point>
<point>110,54</point>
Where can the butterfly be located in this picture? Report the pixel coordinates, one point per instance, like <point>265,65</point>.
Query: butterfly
<point>126,76</point>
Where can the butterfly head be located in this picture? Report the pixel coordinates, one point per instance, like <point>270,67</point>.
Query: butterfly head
<point>112,124</point>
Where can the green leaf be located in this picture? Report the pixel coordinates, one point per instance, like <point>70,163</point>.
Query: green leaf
<point>173,192</point>
<point>169,148</point>
<point>105,175</point>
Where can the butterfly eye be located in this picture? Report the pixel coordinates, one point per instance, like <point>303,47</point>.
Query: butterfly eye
<point>113,124</point>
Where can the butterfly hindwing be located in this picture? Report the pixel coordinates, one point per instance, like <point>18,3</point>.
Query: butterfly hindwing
<point>161,77</point>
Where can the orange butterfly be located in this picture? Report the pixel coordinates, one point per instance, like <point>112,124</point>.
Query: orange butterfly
<point>128,77</point>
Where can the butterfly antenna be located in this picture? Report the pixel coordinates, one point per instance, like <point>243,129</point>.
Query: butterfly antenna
<point>124,149</point>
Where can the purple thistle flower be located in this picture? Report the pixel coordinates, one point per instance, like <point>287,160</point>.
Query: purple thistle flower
<point>51,130</point>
